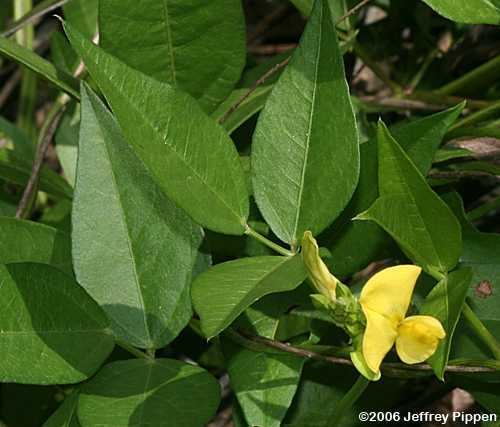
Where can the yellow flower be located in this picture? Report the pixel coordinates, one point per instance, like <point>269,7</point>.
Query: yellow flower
<point>322,279</point>
<point>385,300</point>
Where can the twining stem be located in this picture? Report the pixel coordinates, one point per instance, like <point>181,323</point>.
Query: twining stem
<point>387,367</point>
<point>348,400</point>
<point>265,241</point>
<point>132,350</point>
<point>46,134</point>
<point>481,331</point>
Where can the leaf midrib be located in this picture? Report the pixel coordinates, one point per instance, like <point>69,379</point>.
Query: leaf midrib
<point>129,242</point>
<point>414,202</point>
<point>169,41</point>
<point>156,131</point>
<point>309,128</point>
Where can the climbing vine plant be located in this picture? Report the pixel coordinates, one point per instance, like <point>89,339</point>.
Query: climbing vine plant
<point>193,233</point>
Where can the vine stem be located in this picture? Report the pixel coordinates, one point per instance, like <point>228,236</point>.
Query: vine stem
<point>46,134</point>
<point>387,367</point>
<point>349,399</point>
<point>270,244</point>
<point>481,331</point>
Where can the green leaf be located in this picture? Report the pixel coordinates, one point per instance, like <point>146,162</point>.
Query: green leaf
<point>40,66</point>
<point>305,153</point>
<point>481,253</point>
<point>149,393</point>
<point>139,275</point>
<point>223,292</point>
<point>304,6</point>
<point>27,241</point>
<point>323,386</point>
<point>18,171</point>
<point>82,14</point>
<point>408,209</point>
<point>264,384</point>
<point>49,324</point>
<point>468,11</point>
<point>265,391</point>
<point>183,43</point>
<point>421,138</point>
<point>65,416</point>
<point>63,55</point>
<point>445,302</point>
<point>354,244</point>
<point>190,157</point>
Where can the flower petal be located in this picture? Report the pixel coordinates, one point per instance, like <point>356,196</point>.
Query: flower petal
<point>322,279</point>
<point>379,337</point>
<point>389,291</point>
<point>418,338</point>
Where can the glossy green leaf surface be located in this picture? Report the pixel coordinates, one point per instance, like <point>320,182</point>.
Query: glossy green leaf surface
<point>354,244</point>
<point>163,392</point>
<point>408,209</point>
<point>193,160</point>
<point>305,153</point>
<point>39,65</point>
<point>27,241</point>
<point>181,42</point>
<point>213,293</point>
<point>445,302</point>
<point>143,283</point>
<point>468,11</point>
<point>49,324</point>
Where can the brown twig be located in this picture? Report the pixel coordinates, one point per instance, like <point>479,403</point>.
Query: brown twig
<point>259,82</point>
<point>300,352</point>
<point>460,175</point>
<point>46,135</point>
<point>271,49</point>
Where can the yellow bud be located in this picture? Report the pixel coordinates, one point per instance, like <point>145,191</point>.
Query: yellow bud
<point>322,279</point>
